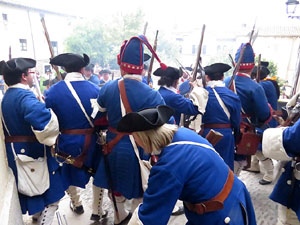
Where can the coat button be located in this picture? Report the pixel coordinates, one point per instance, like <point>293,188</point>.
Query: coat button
<point>22,150</point>
<point>53,172</point>
<point>283,170</point>
<point>32,170</point>
<point>289,182</point>
<point>60,164</point>
<point>227,220</point>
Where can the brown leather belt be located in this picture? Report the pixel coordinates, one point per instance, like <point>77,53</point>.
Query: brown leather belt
<point>216,203</point>
<point>107,148</point>
<point>9,139</point>
<point>78,131</point>
<point>216,125</point>
<point>77,161</point>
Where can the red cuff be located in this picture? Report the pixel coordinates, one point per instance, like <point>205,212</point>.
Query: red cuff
<point>271,114</point>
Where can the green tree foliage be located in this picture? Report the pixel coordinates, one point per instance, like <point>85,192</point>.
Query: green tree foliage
<point>102,40</point>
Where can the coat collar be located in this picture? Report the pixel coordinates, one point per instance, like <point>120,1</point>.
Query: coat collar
<point>133,77</point>
<point>171,89</point>
<point>74,76</point>
<point>19,85</point>
<point>215,83</point>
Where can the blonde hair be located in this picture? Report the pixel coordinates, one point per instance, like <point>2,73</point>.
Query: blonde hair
<point>156,139</point>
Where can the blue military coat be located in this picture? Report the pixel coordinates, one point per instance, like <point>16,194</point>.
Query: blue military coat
<point>179,103</point>
<point>123,163</point>
<point>193,174</point>
<point>24,115</point>
<point>94,79</point>
<point>282,144</point>
<point>272,98</point>
<point>253,98</point>
<point>214,114</point>
<point>70,116</point>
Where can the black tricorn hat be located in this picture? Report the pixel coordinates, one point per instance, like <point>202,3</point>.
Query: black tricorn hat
<point>264,63</point>
<point>146,57</point>
<point>145,119</point>
<point>264,71</point>
<point>90,67</point>
<point>16,65</point>
<point>105,71</point>
<point>216,68</point>
<point>170,72</point>
<point>70,60</point>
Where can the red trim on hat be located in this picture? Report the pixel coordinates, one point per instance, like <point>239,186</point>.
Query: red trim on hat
<point>130,68</point>
<point>245,66</point>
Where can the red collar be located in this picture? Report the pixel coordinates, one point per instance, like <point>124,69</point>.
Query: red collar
<point>243,75</point>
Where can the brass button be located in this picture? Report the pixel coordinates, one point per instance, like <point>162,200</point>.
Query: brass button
<point>53,172</point>
<point>227,220</point>
<point>22,150</point>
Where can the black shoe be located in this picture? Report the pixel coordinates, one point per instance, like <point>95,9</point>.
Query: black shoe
<point>123,222</point>
<point>96,217</point>
<point>78,210</point>
<point>264,182</point>
<point>179,211</point>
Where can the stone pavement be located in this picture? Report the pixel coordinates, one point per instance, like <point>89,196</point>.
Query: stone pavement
<point>265,209</point>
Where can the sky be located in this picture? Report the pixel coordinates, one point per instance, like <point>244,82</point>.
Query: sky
<point>164,14</point>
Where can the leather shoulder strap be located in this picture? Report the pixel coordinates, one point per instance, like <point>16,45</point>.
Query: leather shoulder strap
<point>124,96</point>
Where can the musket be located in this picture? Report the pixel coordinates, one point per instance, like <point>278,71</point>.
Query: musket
<point>50,47</point>
<point>195,70</point>
<point>236,68</point>
<point>152,59</point>
<point>258,69</point>
<point>252,32</point>
<point>9,52</point>
<point>214,137</point>
<point>232,61</point>
<point>293,92</point>
<point>145,28</point>
<point>183,68</point>
<point>38,88</point>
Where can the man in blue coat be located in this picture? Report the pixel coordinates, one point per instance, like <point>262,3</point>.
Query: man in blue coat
<point>169,79</point>
<point>29,129</point>
<point>272,98</point>
<point>222,112</point>
<point>89,74</point>
<point>255,108</point>
<point>71,100</point>
<point>283,144</point>
<point>188,169</point>
<point>121,171</point>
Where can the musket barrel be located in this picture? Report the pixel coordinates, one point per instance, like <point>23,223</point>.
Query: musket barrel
<point>152,59</point>
<point>198,54</point>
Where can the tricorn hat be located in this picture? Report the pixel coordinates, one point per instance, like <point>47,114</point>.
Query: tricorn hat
<point>145,119</point>
<point>90,67</point>
<point>170,72</point>
<point>105,71</point>
<point>216,68</point>
<point>264,72</point>
<point>146,57</point>
<point>16,65</point>
<point>247,61</point>
<point>70,60</point>
<point>131,57</point>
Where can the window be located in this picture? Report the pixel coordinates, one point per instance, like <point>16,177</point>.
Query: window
<point>193,49</point>
<point>54,46</point>
<point>4,17</point>
<point>23,44</point>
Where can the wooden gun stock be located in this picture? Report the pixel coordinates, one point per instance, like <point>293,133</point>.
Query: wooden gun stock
<point>214,137</point>
<point>152,59</point>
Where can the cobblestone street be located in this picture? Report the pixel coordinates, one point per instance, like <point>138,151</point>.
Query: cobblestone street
<point>265,209</point>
